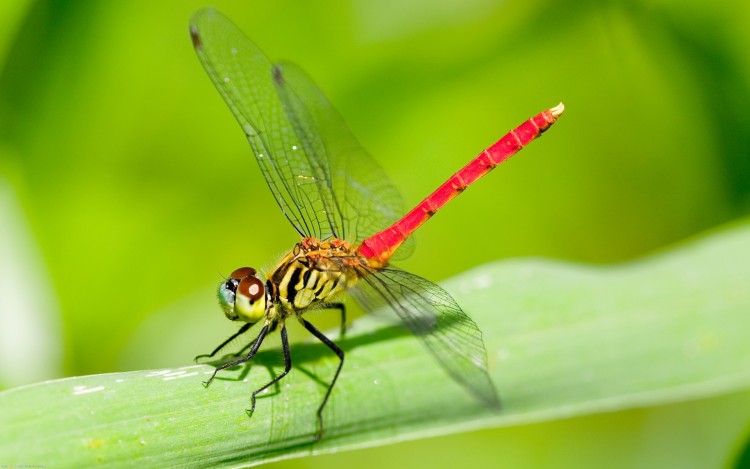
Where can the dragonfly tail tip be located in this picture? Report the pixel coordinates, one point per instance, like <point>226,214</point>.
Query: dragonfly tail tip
<point>557,110</point>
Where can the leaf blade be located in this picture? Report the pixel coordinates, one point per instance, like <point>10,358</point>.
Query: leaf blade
<point>566,340</point>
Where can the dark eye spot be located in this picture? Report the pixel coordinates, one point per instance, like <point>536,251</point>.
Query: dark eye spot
<point>231,285</point>
<point>252,288</point>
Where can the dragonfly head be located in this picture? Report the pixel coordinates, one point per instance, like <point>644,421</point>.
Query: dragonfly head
<point>243,296</point>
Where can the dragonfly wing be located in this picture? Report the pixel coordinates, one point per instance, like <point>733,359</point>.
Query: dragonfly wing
<point>355,189</point>
<point>322,179</point>
<point>433,315</point>
<point>244,77</point>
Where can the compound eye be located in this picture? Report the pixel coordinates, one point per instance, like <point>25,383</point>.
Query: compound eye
<point>251,287</point>
<point>243,272</point>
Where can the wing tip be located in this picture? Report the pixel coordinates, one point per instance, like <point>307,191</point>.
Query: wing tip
<point>198,20</point>
<point>493,401</point>
<point>196,37</point>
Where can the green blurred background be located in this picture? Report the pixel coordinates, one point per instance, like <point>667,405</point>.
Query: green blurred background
<point>127,188</point>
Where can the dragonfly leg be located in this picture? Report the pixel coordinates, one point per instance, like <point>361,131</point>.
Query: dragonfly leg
<point>242,330</point>
<point>340,353</point>
<point>342,308</point>
<point>253,351</point>
<point>252,342</point>
<point>287,367</point>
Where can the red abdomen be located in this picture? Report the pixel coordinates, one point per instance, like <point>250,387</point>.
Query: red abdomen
<point>383,244</point>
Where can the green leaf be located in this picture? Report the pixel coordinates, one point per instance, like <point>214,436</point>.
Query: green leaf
<point>562,339</point>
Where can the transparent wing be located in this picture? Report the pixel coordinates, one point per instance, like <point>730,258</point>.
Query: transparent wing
<point>433,315</point>
<point>322,179</point>
<point>355,190</point>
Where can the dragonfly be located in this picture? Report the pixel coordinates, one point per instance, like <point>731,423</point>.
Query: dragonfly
<point>348,214</point>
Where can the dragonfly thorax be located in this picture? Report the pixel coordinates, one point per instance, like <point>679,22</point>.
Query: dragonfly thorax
<point>314,273</point>
<point>243,296</point>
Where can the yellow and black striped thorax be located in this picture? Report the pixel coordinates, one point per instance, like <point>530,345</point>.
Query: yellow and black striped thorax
<point>314,273</point>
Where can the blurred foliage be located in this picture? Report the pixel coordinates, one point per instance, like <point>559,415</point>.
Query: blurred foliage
<point>137,188</point>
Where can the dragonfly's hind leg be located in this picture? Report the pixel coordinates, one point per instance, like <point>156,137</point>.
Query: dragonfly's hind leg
<point>342,308</point>
<point>239,361</point>
<point>340,353</point>
<point>287,367</point>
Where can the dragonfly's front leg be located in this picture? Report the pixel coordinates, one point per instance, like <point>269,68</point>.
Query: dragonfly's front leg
<point>242,330</point>
<point>250,344</point>
<point>239,361</point>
